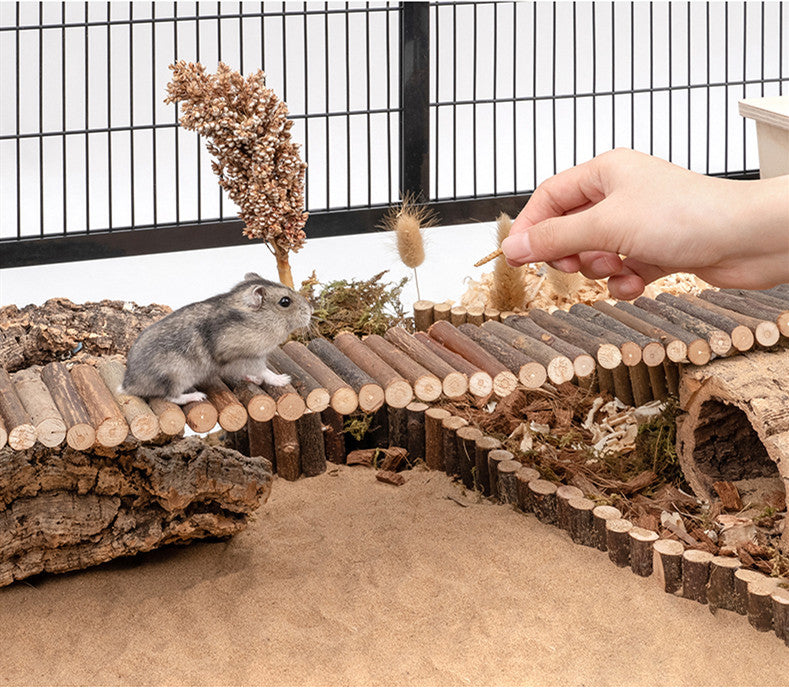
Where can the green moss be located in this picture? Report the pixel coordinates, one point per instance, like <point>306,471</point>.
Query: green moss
<point>656,447</point>
<point>358,425</point>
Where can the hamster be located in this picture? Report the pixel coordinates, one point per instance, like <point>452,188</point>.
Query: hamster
<point>227,336</point>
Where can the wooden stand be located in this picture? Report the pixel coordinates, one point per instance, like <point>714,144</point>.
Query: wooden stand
<point>667,564</point>
<point>695,574</point>
<point>641,553</point>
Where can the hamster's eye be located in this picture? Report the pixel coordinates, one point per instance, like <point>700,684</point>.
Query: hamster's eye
<point>284,301</point>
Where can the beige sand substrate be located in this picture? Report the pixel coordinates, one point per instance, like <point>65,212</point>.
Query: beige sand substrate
<point>344,580</point>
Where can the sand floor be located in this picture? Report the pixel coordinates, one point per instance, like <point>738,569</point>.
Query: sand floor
<point>343,580</point>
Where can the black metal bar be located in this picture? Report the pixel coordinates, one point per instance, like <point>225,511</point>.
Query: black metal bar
<point>109,120</point>
<point>415,98</point>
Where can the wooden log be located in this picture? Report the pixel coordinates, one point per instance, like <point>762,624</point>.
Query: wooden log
<point>507,483</point>
<point>607,355</point>
<point>657,381</point>
<point>491,315</point>
<point>35,397</point>
<point>564,493</point>
<point>20,429</point>
<point>107,419</point>
<point>600,516</point>
<point>441,311</point>
<point>232,414</point>
<point>143,422</point>
<point>290,404</point>
<point>286,448</point>
<point>482,482</point>
<point>750,307</point>
<point>760,604</point>
<point>765,332</point>
<point>720,587</point>
<point>415,422</point>
<point>475,315</point>
<point>741,336</point>
<point>453,383</point>
<point>261,440</point>
<point>457,315</point>
<point>622,387</point>
<point>423,315</point>
<point>480,383</point>
<point>542,497</point>
<point>583,362</point>
<point>531,374</point>
<point>201,416</point>
<point>427,387</point>
<point>397,390</point>
<point>779,290</point>
<point>641,554</point>
<point>629,350</point>
<point>697,349</point>
<point>719,341</point>
<point>640,383</point>
<point>316,396</point>
<point>773,299</point>
<point>343,399</point>
<point>260,406</point>
<point>672,371</point>
<point>434,443</point>
<point>617,541</point>
<point>558,366</point>
<point>467,437</point>
<point>449,427</point>
<point>695,574</point>
<point>333,437</point>
<point>169,416</point>
<point>397,423</point>
<point>80,434</point>
<point>313,455</point>
<point>780,602</point>
<point>742,577</point>
<point>581,521</point>
<point>524,476</point>
<point>370,393</point>
<point>667,564</point>
<point>495,457</point>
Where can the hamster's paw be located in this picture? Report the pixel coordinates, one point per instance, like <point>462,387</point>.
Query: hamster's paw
<point>187,398</point>
<point>275,379</point>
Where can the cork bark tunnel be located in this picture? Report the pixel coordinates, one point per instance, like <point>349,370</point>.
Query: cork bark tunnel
<point>736,427</point>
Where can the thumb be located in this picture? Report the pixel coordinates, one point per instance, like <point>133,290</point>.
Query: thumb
<point>557,237</point>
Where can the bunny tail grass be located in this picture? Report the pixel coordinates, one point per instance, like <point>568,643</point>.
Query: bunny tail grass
<point>563,283</point>
<point>508,291</point>
<point>407,221</point>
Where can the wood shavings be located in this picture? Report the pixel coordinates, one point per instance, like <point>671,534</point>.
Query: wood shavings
<point>617,425</point>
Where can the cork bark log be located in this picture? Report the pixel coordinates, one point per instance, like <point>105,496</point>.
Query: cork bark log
<point>736,425</point>
<point>62,509</point>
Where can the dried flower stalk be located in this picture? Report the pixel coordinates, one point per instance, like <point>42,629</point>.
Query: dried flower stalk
<point>508,292</point>
<point>248,133</point>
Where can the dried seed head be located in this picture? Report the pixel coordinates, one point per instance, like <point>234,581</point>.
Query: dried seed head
<point>407,220</point>
<point>508,291</point>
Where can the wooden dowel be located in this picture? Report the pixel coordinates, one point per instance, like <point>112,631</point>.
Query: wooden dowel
<point>261,440</point>
<point>475,315</point>
<point>675,349</point>
<point>750,307</point>
<point>143,423</point>
<point>454,384</point>
<point>495,457</point>
<point>558,366</point>
<point>657,381</point>
<point>622,387</point>
<point>427,387</point>
<point>581,522</point>
<point>564,493</point>
<point>667,564</point>
<point>542,497</point>
<point>780,602</point>
<point>491,314</point>
<point>640,383</point>
<point>617,541</point>
<point>343,398</point>
<point>605,380</point>
<point>629,350</point>
<point>741,336</point>
<point>480,384</point>
<point>507,484</point>
<point>773,299</point>
<point>504,381</point>
<point>741,579</point>
<point>765,332</point>
<point>720,588</point>
<point>695,574</point>
<point>286,448</point>
<point>397,390</point>
<point>583,362</point>
<point>467,437</point>
<point>201,416</point>
<point>397,423</point>
<point>607,355</point>
<point>434,443</point>
<point>415,423</point>
<point>316,396</point>
<point>423,315</point>
<point>169,416</point>
<point>457,316</point>
<point>641,553</point>
<point>290,404</point>
<point>531,374</point>
<point>600,515</point>
<point>35,397</point>
<point>80,433</point>
<point>260,406</point>
<point>370,393</point>
<point>449,427</point>
<point>672,371</point>
<point>697,349</point>
<point>760,604</point>
<point>333,436</point>
<point>232,414</point>
<point>106,417</point>
<point>719,341</point>
<point>441,311</point>
<point>313,455</point>
<point>20,429</point>
<point>482,448</point>
<point>524,476</point>
<point>779,290</point>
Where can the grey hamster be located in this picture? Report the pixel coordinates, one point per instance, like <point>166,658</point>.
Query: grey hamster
<point>227,336</point>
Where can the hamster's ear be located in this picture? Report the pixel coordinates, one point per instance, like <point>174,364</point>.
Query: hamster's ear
<point>252,276</point>
<point>254,297</point>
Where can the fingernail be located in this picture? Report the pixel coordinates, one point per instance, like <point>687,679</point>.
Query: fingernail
<point>517,247</point>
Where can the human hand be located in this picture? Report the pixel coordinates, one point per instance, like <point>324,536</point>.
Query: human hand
<point>661,218</point>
